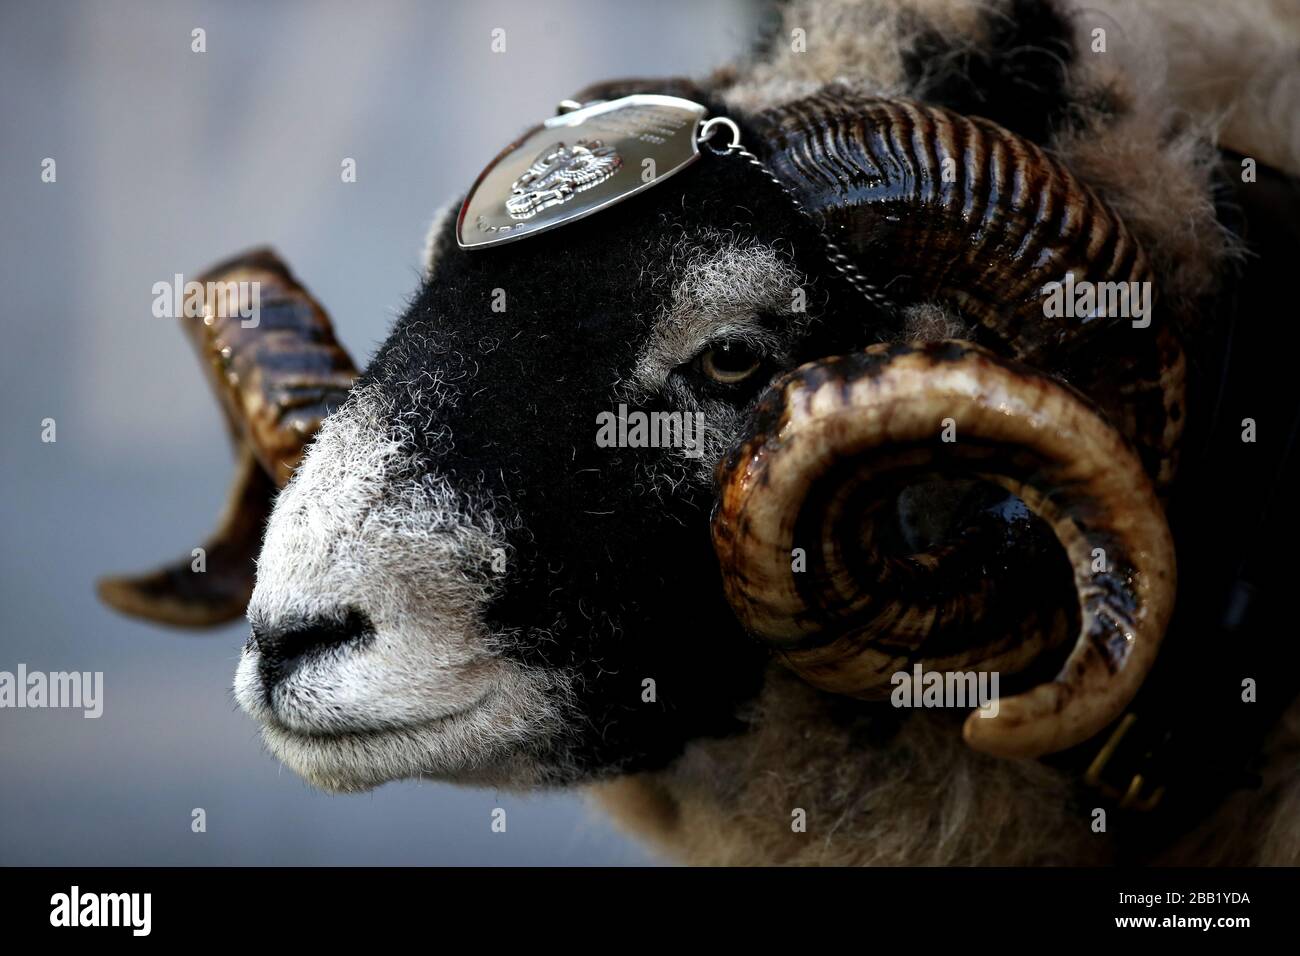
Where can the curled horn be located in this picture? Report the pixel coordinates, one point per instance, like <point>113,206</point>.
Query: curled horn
<point>276,375</point>
<point>932,205</point>
<point>835,438</point>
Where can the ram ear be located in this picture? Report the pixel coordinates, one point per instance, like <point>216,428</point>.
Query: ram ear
<point>278,371</point>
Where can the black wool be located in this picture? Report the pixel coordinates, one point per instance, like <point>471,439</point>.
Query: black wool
<point>609,576</point>
<point>1017,78</point>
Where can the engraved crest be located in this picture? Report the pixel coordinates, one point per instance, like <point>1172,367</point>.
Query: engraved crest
<point>558,174</point>
<point>578,163</point>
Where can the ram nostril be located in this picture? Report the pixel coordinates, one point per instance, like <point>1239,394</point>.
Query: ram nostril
<point>282,645</point>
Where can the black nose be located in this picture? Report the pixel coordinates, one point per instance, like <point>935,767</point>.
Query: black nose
<point>284,644</point>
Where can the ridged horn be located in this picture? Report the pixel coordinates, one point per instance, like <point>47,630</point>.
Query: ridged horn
<point>279,378</point>
<point>930,205</point>
<point>832,442</point>
<point>276,378</point>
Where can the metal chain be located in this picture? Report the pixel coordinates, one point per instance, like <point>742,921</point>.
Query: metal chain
<point>837,258</point>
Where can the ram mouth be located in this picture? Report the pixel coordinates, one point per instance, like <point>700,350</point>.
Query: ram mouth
<point>348,761</point>
<point>294,704</point>
<point>326,734</point>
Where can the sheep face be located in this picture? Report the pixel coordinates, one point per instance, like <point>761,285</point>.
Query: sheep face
<point>464,580</point>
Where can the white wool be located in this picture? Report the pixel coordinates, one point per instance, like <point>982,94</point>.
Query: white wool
<point>361,525</point>
<point>717,286</point>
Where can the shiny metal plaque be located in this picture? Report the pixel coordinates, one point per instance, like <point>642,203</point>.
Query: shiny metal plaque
<point>578,164</point>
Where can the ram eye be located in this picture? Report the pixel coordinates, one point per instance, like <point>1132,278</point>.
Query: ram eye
<point>729,363</point>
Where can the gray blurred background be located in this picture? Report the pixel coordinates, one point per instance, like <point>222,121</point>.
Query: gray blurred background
<point>168,160</point>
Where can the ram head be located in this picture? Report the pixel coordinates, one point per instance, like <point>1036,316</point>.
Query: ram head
<point>908,453</point>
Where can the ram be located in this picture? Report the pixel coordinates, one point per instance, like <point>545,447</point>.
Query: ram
<point>839,261</point>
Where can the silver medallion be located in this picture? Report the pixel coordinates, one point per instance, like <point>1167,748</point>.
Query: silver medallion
<point>577,164</point>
